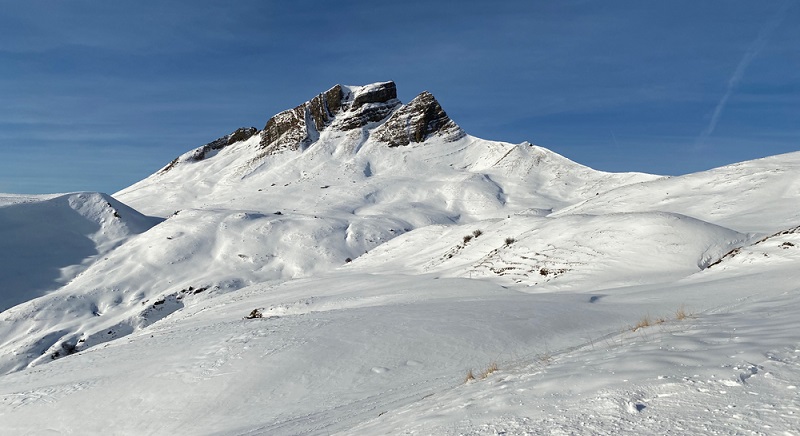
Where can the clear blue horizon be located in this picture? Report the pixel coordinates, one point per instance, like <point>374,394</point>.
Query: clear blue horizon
<point>99,95</point>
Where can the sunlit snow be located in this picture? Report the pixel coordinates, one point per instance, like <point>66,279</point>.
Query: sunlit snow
<point>350,288</point>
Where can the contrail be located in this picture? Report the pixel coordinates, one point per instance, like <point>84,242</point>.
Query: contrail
<point>752,51</point>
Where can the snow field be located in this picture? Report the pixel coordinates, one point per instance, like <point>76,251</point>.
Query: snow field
<point>583,302</point>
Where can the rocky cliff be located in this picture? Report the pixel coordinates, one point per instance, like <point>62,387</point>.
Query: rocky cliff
<point>347,108</point>
<point>374,108</point>
<point>418,120</point>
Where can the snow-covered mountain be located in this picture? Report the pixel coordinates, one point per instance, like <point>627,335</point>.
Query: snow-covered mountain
<point>342,268</point>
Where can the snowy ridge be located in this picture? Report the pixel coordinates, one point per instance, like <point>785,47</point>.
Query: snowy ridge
<point>45,241</point>
<point>341,270</point>
<point>738,196</point>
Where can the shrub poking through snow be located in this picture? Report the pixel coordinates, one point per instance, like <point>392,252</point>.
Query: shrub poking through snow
<point>489,370</point>
<point>470,377</point>
<point>510,241</point>
<point>467,238</point>
<point>254,314</point>
<point>476,233</point>
<point>681,314</point>
<point>644,322</point>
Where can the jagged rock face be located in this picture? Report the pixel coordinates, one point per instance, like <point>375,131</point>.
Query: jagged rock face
<point>240,134</point>
<point>377,93</point>
<point>339,106</point>
<point>344,108</point>
<point>372,107</point>
<point>368,104</point>
<point>418,120</point>
<point>296,127</point>
<point>286,129</point>
<point>324,106</point>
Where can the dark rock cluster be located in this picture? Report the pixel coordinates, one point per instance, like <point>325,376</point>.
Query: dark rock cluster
<point>371,104</point>
<point>240,134</point>
<point>343,108</point>
<point>379,93</point>
<point>418,120</point>
<point>298,127</point>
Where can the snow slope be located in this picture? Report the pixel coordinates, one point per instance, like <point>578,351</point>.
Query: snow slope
<point>341,270</point>
<point>567,252</point>
<point>237,213</point>
<point>46,240</point>
<point>358,354</point>
<point>755,196</point>
<point>729,369</point>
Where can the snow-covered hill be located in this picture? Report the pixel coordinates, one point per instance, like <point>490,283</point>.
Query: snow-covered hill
<point>568,252</point>
<point>755,196</point>
<point>46,240</point>
<point>341,269</point>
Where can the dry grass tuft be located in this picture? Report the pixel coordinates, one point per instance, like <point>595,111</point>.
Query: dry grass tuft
<point>470,377</point>
<point>681,313</point>
<point>644,322</point>
<point>489,371</point>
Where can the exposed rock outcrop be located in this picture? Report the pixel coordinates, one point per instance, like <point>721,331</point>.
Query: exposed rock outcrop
<point>372,107</point>
<point>200,153</point>
<point>285,130</point>
<point>298,127</point>
<point>343,107</point>
<point>421,118</point>
<point>240,134</point>
<point>375,93</point>
<point>368,104</point>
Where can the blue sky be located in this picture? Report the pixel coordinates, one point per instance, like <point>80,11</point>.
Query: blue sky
<point>96,95</point>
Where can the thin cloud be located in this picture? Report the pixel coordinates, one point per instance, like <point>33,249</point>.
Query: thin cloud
<point>752,52</point>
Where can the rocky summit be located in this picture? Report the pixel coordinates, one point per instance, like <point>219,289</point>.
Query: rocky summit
<point>416,121</point>
<point>374,108</point>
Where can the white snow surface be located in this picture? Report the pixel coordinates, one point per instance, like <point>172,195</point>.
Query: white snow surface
<point>582,302</point>
<point>46,240</point>
<point>759,195</point>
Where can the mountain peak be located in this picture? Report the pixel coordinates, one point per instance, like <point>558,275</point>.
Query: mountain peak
<point>351,107</point>
<point>373,107</point>
<point>381,92</point>
<point>421,118</point>
<point>346,108</point>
